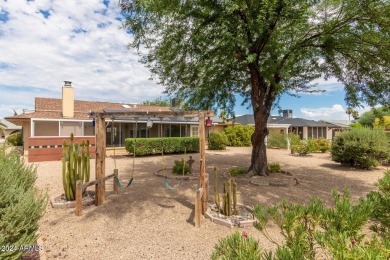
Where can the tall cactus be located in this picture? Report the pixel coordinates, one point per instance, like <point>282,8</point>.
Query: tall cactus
<point>75,166</point>
<point>229,196</point>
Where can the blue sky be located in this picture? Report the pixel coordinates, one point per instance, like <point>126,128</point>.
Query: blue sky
<point>45,42</point>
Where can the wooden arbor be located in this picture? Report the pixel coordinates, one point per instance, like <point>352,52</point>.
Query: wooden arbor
<point>100,130</point>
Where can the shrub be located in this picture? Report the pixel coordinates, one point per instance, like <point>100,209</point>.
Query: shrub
<point>239,135</point>
<point>15,139</point>
<point>237,171</point>
<point>21,206</point>
<point>294,139</point>
<point>276,139</point>
<point>237,246</point>
<point>217,141</point>
<point>361,147</point>
<point>381,213</point>
<point>323,145</point>
<point>178,168</point>
<point>274,167</point>
<point>147,146</point>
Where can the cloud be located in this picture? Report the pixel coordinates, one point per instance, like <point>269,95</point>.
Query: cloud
<point>335,112</point>
<point>43,43</point>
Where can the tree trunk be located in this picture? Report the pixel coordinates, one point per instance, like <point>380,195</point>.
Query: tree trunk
<point>259,152</point>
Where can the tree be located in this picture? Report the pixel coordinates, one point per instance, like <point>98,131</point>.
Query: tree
<point>157,102</point>
<point>206,52</point>
<point>368,118</point>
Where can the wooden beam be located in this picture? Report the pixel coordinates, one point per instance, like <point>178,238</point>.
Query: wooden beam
<point>79,198</point>
<point>202,148</point>
<point>168,114</point>
<point>100,130</point>
<point>198,206</point>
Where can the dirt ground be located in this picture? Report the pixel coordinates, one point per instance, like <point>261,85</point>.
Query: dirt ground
<point>148,221</point>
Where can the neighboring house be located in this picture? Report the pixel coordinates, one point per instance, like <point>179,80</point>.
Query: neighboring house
<point>305,128</point>
<point>52,121</point>
<point>9,128</point>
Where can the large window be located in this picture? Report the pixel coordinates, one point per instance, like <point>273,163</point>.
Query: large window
<point>68,127</point>
<point>316,132</point>
<point>62,128</point>
<point>46,128</point>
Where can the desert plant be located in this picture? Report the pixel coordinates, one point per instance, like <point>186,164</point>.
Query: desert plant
<point>217,141</point>
<point>381,212</point>
<point>15,139</point>
<point>75,166</point>
<point>21,205</point>
<point>361,147</point>
<point>181,168</point>
<point>237,171</point>
<point>239,135</point>
<point>323,145</point>
<point>229,196</point>
<point>274,167</point>
<point>237,246</point>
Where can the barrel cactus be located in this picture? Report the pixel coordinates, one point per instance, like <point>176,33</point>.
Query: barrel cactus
<point>75,166</point>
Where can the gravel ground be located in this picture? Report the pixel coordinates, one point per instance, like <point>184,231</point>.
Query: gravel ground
<point>147,221</point>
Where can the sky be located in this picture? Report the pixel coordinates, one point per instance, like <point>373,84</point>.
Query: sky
<point>46,42</point>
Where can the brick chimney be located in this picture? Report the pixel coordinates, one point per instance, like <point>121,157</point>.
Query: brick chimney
<point>67,100</point>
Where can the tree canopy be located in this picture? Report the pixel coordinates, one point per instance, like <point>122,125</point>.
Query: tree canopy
<point>368,118</point>
<point>206,52</point>
<point>157,102</point>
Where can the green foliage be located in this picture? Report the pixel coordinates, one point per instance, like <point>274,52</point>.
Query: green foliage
<point>239,135</point>
<point>157,102</point>
<point>181,168</point>
<point>317,232</point>
<point>368,118</point>
<point>323,145</point>
<point>237,171</point>
<point>147,146</point>
<point>356,125</point>
<point>237,246</point>
<point>381,213</point>
<point>217,141</point>
<point>361,147</point>
<point>294,139</point>
<point>274,167</point>
<point>277,139</point>
<point>75,166</point>
<point>21,205</point>
<point>15,139</point>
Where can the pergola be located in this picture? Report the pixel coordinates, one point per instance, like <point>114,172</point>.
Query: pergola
<point>100,131</point>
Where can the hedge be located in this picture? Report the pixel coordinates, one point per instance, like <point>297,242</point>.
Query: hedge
<point>148,146</point>
<point>239,135</point>
<point>217,141</point>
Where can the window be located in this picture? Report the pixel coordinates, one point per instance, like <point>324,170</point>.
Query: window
<point>194,130</point>
<point>46,128</point>
<point>68,127</point>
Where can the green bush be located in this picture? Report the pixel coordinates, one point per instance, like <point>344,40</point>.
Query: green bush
<point>239,135</point>
<point>274,167</point>
<point>381,213</point>
<point>147,146</point>
<point>361,147</point>
<point>301,149</point>
<point>323,145</point>
<point>178,168</point>
<point>237,171</point>
<point>15,139</point>
<point>21,206</point>
<point>217,141</point>
<point>294,139</point>
<point>237,246</point>
<point>277,140</point>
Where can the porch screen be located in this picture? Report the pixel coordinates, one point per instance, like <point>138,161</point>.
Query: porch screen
<point>45,128</point>
<point>89,129</point>
<point>68,127</point>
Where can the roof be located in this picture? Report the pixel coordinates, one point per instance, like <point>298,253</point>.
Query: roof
<point>8,125</point>
<point>51,108</point>
<point>338,123</point>
<point>272,120</point>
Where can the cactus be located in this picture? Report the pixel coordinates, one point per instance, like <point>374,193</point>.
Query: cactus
<point>75,166</point>
<point>229,196</point>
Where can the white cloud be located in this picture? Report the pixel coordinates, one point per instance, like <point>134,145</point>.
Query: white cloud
<point>79,41</point>
<point>335,112</point>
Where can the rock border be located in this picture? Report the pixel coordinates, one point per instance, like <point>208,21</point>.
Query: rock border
<point>229,222</point>
<point>59,203</point>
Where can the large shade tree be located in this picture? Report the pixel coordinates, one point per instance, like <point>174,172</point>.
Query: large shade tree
<point>208,51</point>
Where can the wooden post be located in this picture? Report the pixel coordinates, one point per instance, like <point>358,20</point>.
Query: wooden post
<point>198,206</point>
<point>100,130</point>
<point>202,148</point>
<point>79,198</point>
<point>113,179</point>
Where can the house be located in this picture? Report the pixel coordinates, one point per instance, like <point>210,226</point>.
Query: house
<point>53,119</point>
<point>305,128</point>
<point>9,128</point>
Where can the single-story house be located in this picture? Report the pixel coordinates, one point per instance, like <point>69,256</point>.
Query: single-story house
<point>9,128</point>
<point>286,123</point>
<point>53,119</point>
